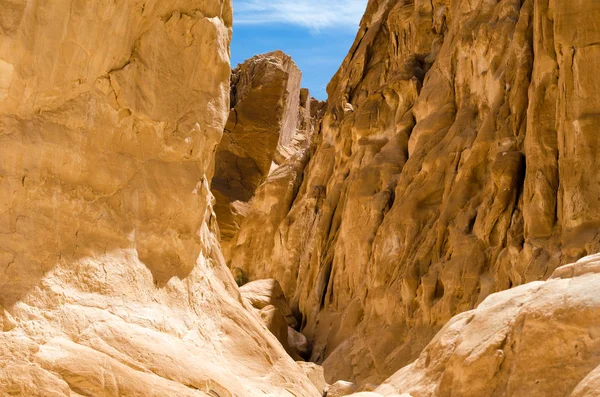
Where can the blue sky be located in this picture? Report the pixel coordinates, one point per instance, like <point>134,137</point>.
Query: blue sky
<point>316,33</point>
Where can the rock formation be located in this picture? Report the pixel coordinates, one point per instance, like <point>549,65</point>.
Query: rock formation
<point>111,278</point>
<point>539,339</point>
<point>267,298</point>
<point>270,120</point>
<point>418,223</point>
<point>315,374</point>
<point>454,161</point>
<point>263,293</point>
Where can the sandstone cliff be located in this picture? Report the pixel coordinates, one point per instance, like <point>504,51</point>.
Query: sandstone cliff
<point>454,160</point>
<point>111,278</point>
<point>265,96</point>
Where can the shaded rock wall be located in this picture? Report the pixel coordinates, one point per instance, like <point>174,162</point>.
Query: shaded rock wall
<point>453,162</point>
<point>112,282</point>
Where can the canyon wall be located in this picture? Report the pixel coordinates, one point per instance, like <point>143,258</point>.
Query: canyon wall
<point>539,339</point>
<point>112,281</point>
<point>453,163</point>
<point>454,160</point>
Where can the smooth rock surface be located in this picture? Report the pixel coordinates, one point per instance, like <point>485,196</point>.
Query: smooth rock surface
<point>262,293</point>
<point>298,343</point>
<point>341,388</point>
<point>454,161</point>
<point>315,373</point>
<point>112,281</point>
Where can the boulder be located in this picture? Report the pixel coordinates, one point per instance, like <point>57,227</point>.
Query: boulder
<point>262,293</point>
<point>341,388</point>
<point>298,343</point>
<point>316,375</point>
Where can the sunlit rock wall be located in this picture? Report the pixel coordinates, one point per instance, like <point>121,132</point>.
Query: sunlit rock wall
<point>456,159</point>
<point>111,278</point>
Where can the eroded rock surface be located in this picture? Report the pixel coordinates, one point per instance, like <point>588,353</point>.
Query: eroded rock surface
<point>262,293</point>
<point>265,103</point>
<point>539,339</point>
<point>111,278</point>
<point>316,375</point>
<point>453,161</point>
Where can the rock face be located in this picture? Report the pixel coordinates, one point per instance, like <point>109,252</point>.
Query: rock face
<point>539,339</point>
<point>315,374</point>
<point>111,278</point>
<point>453,162</point>
<point>265,103</point>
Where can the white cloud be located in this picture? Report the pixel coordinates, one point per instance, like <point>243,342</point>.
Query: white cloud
<point>313,14</point>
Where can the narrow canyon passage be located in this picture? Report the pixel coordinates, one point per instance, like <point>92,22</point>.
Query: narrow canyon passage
<point>171,225</point>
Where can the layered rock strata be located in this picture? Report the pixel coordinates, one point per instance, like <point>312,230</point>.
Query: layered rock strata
<point>453,162</point>
<point>111,278</point>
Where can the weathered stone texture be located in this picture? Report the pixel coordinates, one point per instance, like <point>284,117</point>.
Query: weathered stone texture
<point>455,160</point>
<point>112,282</point>
<point>539,339</point>
<point>265,99</point>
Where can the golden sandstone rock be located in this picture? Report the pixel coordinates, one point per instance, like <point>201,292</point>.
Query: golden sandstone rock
<point>315,374</point>
<point>456,159</point>
<point>539,339</point>
<point>263,293</point>
<point>111,278</point>
<point>426,224</point>
<point>270,120</point>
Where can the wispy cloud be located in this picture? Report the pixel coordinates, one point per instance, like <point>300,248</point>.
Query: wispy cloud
<point>312,14</point>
